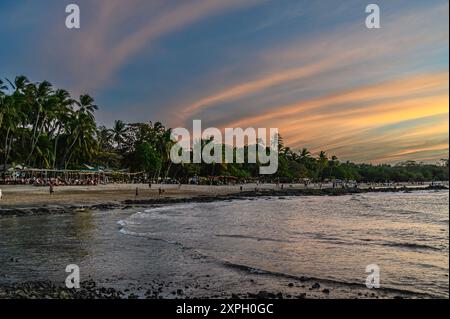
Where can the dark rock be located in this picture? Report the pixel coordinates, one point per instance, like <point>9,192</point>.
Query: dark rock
<point>316,285</point>
<point>265,295</point>
<point>67,209</point>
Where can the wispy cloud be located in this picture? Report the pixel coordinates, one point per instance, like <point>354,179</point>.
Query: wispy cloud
<point>113,38</point>
<point>350,46</point>
<point>344,85</point>
<point>349,124</point>
<point>309,68</point>
<point>375,98</point>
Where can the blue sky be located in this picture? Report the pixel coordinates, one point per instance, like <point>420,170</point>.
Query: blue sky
<point>310,68</point>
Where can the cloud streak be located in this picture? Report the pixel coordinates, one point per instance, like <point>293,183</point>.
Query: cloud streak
<point>334,111</point>
<point>113,39</point>
<point>325,55</point>
<point>309,68</point>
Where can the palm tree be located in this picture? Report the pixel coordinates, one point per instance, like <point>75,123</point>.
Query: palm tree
<point>333,163</point>
<point>87,106</point>
<point>305,154</point>
<point>20,84</point>
<point>10,120</point>
<point>104,137</point>
<point>81,140</point>
<point>323,162</point>
<point>10,117</point>
<point>168,144</point>
<point>40,97</point>
<point>118,133</point>
<point>63,110</point>
<point>3,89</point>
<point>82,129</point>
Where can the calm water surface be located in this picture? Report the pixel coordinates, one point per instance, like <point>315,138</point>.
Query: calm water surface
<point>331,238</point>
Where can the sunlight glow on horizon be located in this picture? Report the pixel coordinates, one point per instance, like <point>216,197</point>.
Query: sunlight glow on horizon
<point>311,69</point>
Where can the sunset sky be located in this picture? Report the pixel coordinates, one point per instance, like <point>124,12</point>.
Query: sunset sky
<point>310,68</point>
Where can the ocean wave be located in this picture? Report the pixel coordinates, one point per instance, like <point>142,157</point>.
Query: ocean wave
<point>148,236</point>
<point>257,238</point>
<point>170,207</point>
<point>124,223</point>
<point>372,241</point>
<point>253,270</point>
<point>410,245</point>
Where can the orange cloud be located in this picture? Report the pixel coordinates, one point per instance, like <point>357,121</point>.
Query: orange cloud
<point>391,90</point>
<point>345,123</point>
<point>259,84</point>
<point>323,55</point>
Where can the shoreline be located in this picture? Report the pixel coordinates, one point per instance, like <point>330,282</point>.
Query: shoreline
<point>293,289</point>
<point>91,199</point>
<point>255,283</point>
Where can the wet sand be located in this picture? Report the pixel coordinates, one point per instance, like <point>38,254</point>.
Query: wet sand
<point>116,194</point>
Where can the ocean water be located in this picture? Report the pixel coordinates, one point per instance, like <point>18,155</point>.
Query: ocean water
<point>331,239</point>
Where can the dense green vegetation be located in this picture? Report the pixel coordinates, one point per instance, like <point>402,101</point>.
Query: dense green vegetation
<point>44,127</point>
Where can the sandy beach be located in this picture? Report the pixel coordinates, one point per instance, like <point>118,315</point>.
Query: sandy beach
<point>32,196</point>
<point>24,195</point>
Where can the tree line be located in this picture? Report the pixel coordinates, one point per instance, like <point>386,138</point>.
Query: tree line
<point>45,127</point>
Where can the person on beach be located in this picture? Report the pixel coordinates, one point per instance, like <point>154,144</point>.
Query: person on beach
<point>1,196</point>
<point>159,191</point>
<point>137,192</point>
<point>150,185</point>
<point>51,189</point>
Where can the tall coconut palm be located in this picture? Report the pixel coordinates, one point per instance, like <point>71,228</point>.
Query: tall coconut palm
<point>118,133</point>
<point>3,88</point>
<point>10,113</point>
<point>10,120</point>
<point>87,106</point>
<point>104,137</point>
<point>63,110</point>
<point>82,129</point>
<point>323,162</point>
<point>168,144</point>
<point>333,163</point>
<point>40,98</point>
<point>304,154</point>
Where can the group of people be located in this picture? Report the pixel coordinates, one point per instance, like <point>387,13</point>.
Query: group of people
<point>42,181</point>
